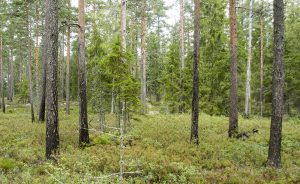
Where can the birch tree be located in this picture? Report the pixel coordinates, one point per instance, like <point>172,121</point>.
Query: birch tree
<point>248,77</point>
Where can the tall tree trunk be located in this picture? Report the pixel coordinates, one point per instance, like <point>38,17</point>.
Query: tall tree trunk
<point>37,58</point>
<point>261,91</point>
<point>182,63</point>
<point>1,72</point>
<point>29,63</point>
<point>44,77</point>
<point>51,58</point>
<point>274,155</point>
<point>233,111</point>
<point>143,59</point>
<point>123,23</point>
<point>195,101</point>
<point>62,66</point>
<point>182,35</point>
<point>248,78</point>
<point>83,119</point>
<point>11,78</point>
<point>68,66</point>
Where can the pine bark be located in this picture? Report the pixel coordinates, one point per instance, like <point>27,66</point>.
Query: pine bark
<point>83,118</point>
<point>195,100</point>
<point>1,73</point>
<point>248,77</point>
<point>37,57</point>
<point>143,59</point>
<point>29,63</point>
<point>233,111</point>
<point>51,58</point>
<point>274,153</point>
<point>11,77</point>
<point>261,91</point>
<point>182,62</point>
<point>44,76</point>
<point>68,67</point>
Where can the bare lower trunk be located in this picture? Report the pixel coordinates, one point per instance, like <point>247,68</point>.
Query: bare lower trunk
<point>274,154</point>
<point>44,77</point>
<point>37,60</point>
<point>261,91</point>
<point>29,64</point>
<point>62,67</point>
<point>68,70</point>
<point>182,63</point>
<point>51,58</point>
<point>143,60</point>
<point>233,111</point>
<point>11,78</point>
<point>195,101</point>
<point>248,78</point>
<point>1,73</point>
<point>83,119</point>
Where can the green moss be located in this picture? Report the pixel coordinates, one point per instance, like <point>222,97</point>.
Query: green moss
<point>7,164</point>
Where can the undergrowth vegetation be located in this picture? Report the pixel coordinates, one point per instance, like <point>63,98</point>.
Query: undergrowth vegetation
<point>156,145</point>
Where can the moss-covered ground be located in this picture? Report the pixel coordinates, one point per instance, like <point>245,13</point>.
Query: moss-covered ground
<point>156,145</point>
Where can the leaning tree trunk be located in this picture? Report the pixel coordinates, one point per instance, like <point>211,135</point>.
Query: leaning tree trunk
<point>51,58</point>
<point>274,155</point>
<point>143,60</point>
<point>233,111</point>
<point>83,118</point>
<point>29,64</point>
<point>195,101</point>
<point>248,77</point>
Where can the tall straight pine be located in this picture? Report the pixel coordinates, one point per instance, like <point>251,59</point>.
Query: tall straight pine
<point>195,101</point>
<point>233,111</point>
<point>51,58</point>
<point>274,154</point>
<point>83,118</point>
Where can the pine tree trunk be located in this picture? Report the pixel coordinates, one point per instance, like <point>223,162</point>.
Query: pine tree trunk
<point>195,101</point>
<point>51,59</point>
<point>182,63</point>
<point>62,66</point>
<point>143,60</point>
<point>261,91</point>
<point>37,58</point>
<point>1,72</point>
<point>233,111</point>
<point>83,119</point>
<point>248,78</point>
<point>11,78</point>
<point>44,76</point>
<point>29,64</point>
<point>274,155</point>
<point>68,67</point>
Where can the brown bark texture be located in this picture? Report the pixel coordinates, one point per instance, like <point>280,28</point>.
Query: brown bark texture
<point>274,153</point>
<point>51,59</point>
<point>195,100</point>
<point>83,118</point>
<point>233,111</point>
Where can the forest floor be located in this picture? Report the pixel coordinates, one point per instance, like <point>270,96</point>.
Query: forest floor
<point>156,145</point>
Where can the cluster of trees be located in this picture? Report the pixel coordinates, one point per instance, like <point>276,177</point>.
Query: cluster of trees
<point>134,57</point>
